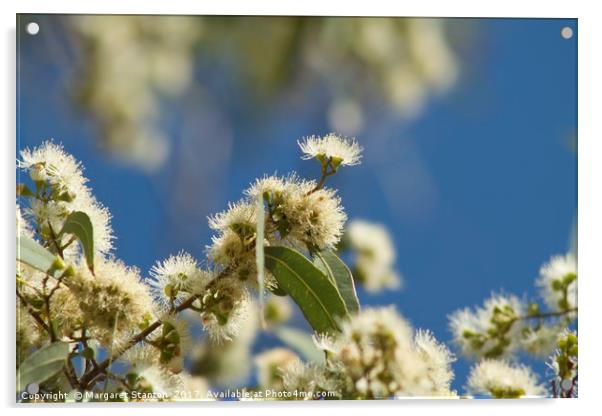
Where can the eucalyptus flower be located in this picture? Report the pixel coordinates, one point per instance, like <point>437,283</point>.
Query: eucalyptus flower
<point>333,149</point>
<point>503,380</point>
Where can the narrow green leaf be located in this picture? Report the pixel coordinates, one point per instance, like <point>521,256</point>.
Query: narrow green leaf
<point>78,223</point>
<point>315,294</point>
<point>23,190</point>
<point>259,257</point>
<point>42,364</point>
<point>33,254</point>
<point>338,272</point>
<point>301,342</point>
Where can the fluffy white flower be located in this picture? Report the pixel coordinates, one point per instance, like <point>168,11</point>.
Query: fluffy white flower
<point>299,214</point>
<point>49,163</point>
<point>338,150</point>
<point>277,310</point>
<point>113,299</point>
<point>438,359</point>
<point>470,327</point>
<point>564,364</point>
<point>155,379</point>
<point>141,355</point>
<point>174,340</point>
<point>23,228</point>
<point>173,279</point>
<point>551,278</point>
<point>378,354</point>
<point>226,305</point>
<point>375,255</point>
<point>541,341</point>
<point>270,365</point>
<point>501,379</point>
<point>308,380</point>
<point>239,217</point>
<point>231,362</point>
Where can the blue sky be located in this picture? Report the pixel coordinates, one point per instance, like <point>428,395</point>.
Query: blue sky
<point>478,191</point>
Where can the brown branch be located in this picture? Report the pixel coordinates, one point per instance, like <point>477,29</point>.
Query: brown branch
<point>33,313</point>
<point>102,367</point>
<point>546,314</point>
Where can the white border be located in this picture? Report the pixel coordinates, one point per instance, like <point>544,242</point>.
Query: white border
<point>590,170</point>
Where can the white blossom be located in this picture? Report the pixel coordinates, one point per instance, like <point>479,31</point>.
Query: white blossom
<point>339,150</point>
<point>375,255</point>
<point>270,365</point>
<point>379,355</point>
<point>551,277</point>
<point>49,163</point>
<point>156,380</point>
<point>113,299</point>
<point>226,305</point>
<point>174,279</point>
<point>501,379</point>
<point>438,359</point>
<point>468,324</point>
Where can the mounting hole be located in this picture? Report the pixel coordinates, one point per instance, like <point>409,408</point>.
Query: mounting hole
<point>32,28</point>
<point>566,32</point>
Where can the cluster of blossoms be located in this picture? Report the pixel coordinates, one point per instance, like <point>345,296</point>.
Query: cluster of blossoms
<point>377,355</point>
<point>375,255</point>
<point>503,380</point>
<point>408,61</point>
<point>106,302</point>
<point>563,364</point>
<point>103,303</point>
<point>130,68</point>
<point>506,325</point>
<point>93,300</point>
<point>299,213</point>
<point>61,189</point>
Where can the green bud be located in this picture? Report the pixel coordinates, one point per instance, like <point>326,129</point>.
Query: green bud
<point>533,309</point>
<point>556,285</point>
<point>322,158</point>
<point>172,337</point>
<point>57,264</point>
<point>569,278</point>
<point>571,339</point>
<point>468,334</point>
<point>563,304</point>
<point>66,196</point>
<point>132,378</point>
<point>69,271</point>
<point>169,291</point>
<point>335,162</point>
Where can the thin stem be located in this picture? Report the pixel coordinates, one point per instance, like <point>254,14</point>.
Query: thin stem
<point>546,314</point>
<point>33,313</point>
<point>325,174</point>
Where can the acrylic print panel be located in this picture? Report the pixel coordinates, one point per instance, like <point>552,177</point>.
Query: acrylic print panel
<point>287,208</point>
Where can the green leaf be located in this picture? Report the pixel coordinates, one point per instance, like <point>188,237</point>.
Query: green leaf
<point>301,342</point>
<point>33,254</point>
<point>78,223</point>
<point>259,256</point>
<point>315,294</point>
<point>338,272</point>
<point>42,364</point>
<point>23,190</point>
